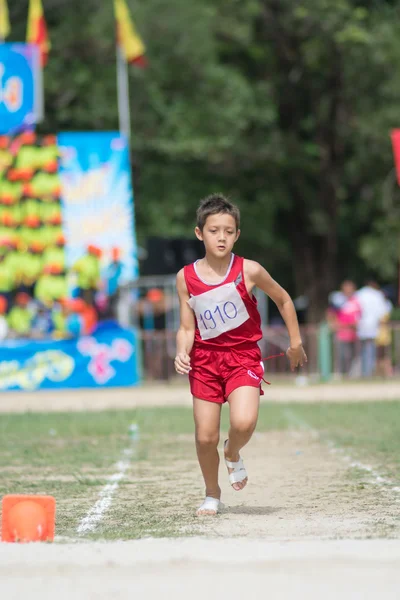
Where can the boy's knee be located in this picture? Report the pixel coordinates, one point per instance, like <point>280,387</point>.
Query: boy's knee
<point>246,426</point>
<point>207,438</point>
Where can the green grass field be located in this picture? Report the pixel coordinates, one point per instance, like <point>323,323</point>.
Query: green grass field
<point>71,455</point>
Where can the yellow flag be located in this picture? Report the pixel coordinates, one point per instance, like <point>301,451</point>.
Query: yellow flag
<point>128,38</point>
<point>4,20</point>
<point>37,30</point>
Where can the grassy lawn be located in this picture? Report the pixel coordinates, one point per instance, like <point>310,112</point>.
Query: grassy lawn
<point>367,431</point>
<point>71,455</point>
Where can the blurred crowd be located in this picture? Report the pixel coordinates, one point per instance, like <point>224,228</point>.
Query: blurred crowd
<point>359,320</point>
<point>41,298</point>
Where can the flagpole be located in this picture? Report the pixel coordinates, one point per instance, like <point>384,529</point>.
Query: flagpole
<point>124,115</point>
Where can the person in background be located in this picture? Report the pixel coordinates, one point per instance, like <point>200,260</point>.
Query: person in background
<point>7,274</point>
<point>74,324</point>
<point>30,266</point>
<point>42,325</point>
<point>7,225</point>
<point>10,199</point>
<point>30,207</point>
<point>373,309</point>
<point>67,322</point>
<point>31,230</point>
<point>343,320</point>
<point>55,255</point>
<point>79,317</point>
<point>152,310</point>
<point>20,316</point>
<point>52,285</point>
<point>157,300</point>
<point>383,342</point>
<point>86,313</point>
<point>112,278</point>
<point>87,269</point>
<point>89,316</point>
<point>58,317</point>
<point>3,318</point>
<point>16,248</point>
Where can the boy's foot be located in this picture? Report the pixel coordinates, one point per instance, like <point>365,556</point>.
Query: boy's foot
<point>210,506</point>
<point>237,473</point>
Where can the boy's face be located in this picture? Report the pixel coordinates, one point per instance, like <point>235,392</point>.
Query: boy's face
<point>219,234</point>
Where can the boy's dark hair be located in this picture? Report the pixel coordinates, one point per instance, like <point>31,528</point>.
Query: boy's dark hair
<point>213,205</point>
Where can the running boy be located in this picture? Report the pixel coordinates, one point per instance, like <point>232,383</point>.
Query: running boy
<point>217,342</point>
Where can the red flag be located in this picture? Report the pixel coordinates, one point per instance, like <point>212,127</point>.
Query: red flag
<point>37,30</point>
<point>395,135</point>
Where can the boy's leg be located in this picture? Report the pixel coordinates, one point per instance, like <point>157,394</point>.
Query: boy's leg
<point>207,417</point>
<point>243,404</point>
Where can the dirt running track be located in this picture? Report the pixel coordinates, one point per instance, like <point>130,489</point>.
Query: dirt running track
<point>178,394</point>
<point>302,529</point>
<point>198,569</point>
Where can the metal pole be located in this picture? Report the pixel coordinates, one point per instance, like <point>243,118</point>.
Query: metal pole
<point>39,89</point>
<point>123,94</point>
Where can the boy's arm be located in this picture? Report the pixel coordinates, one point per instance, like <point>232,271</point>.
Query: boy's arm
<point>185,335</point>
<point>258,276</point>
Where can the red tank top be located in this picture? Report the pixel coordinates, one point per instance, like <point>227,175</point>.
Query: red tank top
<point>226,315</point>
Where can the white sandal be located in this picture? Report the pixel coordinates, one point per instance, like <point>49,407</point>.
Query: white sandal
<point>211,504</point>
<point>239,473</point>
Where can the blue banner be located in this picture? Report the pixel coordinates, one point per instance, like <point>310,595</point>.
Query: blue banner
<point>108,358</point>
<point>97,199</point>
<point>19,80</point>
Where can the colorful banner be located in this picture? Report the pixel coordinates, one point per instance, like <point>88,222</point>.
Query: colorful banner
<point>31,235</point>
<point>97,199</point>
<point>108,358</point>
<point>20,87</point>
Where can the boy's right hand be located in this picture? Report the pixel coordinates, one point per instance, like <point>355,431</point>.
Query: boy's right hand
<point>182,363</point>
<point>296,356</point>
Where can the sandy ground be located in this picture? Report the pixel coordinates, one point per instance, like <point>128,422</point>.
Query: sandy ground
<point>303,528</point>
<point>197,569</point>
<point>306,526</point>
<point>300,490</point>
<point>178,394</point>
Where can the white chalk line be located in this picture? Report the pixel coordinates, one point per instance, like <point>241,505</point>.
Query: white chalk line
<point>96,512</point>
<point>376,477</point>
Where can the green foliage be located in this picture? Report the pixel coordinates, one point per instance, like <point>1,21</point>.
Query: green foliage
<point>285,106</point>
<point>381,248</point>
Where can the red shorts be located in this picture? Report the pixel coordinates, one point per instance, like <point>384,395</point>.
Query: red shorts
<point>217,373</point>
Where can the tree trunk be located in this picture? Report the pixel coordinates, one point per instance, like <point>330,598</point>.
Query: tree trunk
<point>315,273</point>
<point>314,256</point>
<point>312,181</point>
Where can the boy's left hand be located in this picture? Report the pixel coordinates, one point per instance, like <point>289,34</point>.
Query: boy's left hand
<point>296,356</point>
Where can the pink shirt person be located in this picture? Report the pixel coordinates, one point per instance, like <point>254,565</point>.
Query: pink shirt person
<point>347,318</point>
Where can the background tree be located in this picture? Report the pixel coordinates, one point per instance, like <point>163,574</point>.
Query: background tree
<point>285,106</point>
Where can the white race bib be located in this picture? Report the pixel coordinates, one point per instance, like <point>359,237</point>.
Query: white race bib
<point>218,310</point>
